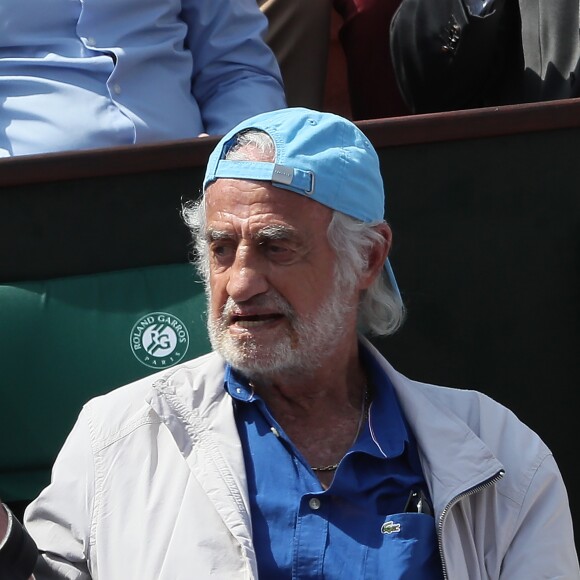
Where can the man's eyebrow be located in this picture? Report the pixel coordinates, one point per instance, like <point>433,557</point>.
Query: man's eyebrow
<point>218,235</point>
<point>275,232</point>
<point>271,232</point>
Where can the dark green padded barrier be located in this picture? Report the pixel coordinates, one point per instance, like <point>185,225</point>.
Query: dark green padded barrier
<point>66,340</point>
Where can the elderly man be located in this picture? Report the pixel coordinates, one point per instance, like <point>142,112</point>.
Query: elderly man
<point>294,450</point>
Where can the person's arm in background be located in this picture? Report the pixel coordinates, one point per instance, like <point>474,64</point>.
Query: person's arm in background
<point>299,34</point>
<point>55,542</point>
<point>235,74</point>
<point>18,552</point>
<point>445,52</point>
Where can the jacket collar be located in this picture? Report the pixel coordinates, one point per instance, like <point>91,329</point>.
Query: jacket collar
<point>453,457</point>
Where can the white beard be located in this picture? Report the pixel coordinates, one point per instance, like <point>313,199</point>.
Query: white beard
<point>302,349</point>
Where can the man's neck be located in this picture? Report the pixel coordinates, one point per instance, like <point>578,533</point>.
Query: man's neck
<point>321,413</point>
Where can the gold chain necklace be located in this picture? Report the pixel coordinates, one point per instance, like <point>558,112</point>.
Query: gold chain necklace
<point>363,415</point>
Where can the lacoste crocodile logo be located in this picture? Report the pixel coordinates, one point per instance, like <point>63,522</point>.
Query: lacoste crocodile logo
<point>390,527</point>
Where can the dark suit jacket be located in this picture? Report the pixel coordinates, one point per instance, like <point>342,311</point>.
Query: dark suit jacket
<point>446,59</point>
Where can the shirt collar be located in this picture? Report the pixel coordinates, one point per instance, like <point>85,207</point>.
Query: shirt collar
<point>386,430</point>
<point>237,386</point>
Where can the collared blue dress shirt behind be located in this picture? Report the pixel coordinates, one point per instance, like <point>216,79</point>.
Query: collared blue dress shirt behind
<point>79,74</point>
<point>355,529</point>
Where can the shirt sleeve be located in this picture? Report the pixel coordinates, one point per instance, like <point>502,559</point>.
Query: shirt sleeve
<point>235,74</point>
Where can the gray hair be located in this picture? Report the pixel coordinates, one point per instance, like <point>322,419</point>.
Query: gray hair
<point>381,310</point>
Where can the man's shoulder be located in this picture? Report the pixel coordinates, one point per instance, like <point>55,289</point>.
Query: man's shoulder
<point>128,407</point>
<point>138,388</point>
<point>488,418</point>
<point>478,411</point>
<point>483,427</point>
<point>515,444</point>
<point>434,409</point>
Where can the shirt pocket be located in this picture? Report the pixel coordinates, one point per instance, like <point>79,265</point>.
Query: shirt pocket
<point>406,550</point>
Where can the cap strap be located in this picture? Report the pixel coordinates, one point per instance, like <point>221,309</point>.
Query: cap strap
<point>283,176</point>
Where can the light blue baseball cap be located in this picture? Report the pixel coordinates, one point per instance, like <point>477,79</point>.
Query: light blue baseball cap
<point>319,155</point>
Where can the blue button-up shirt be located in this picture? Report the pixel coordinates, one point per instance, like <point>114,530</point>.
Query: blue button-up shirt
<point>95,73</point>
<point>355,529</point>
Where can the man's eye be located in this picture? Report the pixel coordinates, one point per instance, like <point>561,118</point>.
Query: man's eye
<point>274,249</point>
<point>221,251</point>
<point>278,252</point>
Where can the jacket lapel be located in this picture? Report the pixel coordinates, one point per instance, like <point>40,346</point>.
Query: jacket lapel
<point>199,414</point>
<point>453,457</point>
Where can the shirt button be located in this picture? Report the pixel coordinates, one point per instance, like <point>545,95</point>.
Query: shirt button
<point>117,89</point>
<point>314,503</point>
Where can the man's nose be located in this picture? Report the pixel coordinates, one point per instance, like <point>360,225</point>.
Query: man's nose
<point>246,276</point>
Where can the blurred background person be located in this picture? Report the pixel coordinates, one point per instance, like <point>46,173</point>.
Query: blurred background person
<point>302,35</point>
<point>458,54</point>
<point>80,75</point>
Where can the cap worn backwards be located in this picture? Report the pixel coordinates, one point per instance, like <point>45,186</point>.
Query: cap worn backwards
<point>319,155</point>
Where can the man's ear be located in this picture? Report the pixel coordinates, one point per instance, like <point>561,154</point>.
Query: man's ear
<point>377,256</point>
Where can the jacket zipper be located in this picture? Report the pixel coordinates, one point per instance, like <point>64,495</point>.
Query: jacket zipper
<point>480,487</point>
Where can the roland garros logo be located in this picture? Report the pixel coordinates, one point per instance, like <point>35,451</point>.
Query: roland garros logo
<point>159,340</point>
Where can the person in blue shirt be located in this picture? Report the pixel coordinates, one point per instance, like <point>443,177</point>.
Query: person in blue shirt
<point>96,73</point>
<point>294,450</point>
